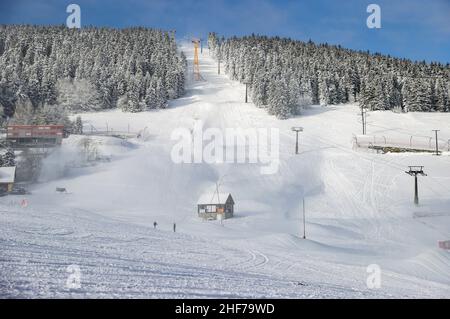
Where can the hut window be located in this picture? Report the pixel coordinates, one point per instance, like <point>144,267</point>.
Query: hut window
<point>211,208</point>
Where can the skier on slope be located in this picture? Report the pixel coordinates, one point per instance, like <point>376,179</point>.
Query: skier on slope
<point>174,227</point>
<point>155,224</point>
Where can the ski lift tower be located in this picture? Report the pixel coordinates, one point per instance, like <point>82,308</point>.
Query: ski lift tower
<point>415,171</point>
<point>297,130</point>
<point>197,75</point>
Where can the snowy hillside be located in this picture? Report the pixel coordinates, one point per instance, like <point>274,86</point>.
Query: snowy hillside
<point>48,68</point>
<point>359,209</point>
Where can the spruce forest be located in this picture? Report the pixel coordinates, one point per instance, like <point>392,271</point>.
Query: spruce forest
<point>283,74</point>
<point>48,70</point>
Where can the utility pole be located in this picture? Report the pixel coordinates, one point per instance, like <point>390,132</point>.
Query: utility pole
<point>437,143</point>
<point>297,130</point>
<point>246,92</point>
<point>217,190</point>
<point>363,119</point>
<point>304,220</point>
<point>415,171</point>
<point>218,200</point>
<point>218,183</point>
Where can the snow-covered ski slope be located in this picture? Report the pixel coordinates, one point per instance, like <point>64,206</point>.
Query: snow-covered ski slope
<point>358,206</point>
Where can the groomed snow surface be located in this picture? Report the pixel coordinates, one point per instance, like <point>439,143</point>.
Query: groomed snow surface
<point>359,210</point>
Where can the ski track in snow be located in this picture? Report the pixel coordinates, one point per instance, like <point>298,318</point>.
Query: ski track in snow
<point>358,212</point>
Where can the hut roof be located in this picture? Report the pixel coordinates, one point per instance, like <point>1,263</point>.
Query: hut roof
<point>7,174</point>
<point>214,199</point>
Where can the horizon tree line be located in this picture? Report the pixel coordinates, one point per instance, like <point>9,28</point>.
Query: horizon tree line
<point>47,71</point>
<point>284,74</point>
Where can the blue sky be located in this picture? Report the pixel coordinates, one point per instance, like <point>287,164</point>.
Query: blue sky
<point>414,29</point>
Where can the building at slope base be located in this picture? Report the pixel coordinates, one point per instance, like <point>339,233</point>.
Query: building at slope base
<point>215,206</point>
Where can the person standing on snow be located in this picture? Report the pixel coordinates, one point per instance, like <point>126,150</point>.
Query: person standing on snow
<point>155,224</point>
<point>174,227</point>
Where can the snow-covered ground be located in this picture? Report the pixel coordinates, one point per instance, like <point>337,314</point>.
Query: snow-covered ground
<point>359,209</point>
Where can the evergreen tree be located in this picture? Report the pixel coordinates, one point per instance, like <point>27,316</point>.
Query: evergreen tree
<point>161,95</point>
<point>279,100</point>
<point>78,126</point>
<point>442,98</point>
<point>9,158</point>
<point>133,98</point>
<point>259,90</point>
